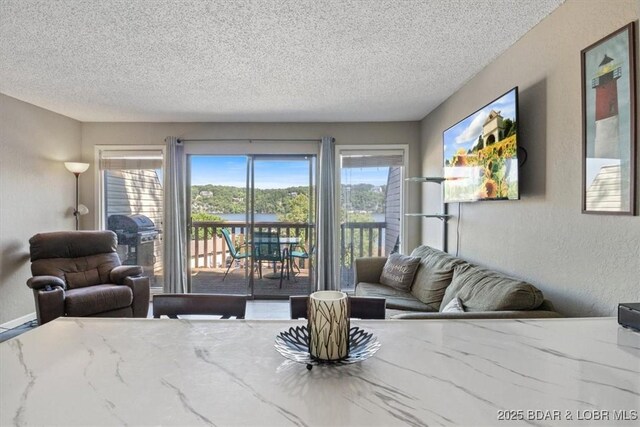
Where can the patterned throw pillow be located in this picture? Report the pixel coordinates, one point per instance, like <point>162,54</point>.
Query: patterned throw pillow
<point>454,306</point>
<point>399,271</point>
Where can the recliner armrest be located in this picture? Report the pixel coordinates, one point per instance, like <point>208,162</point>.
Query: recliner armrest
<point>119,273</point>
<point>41,282</point>
<point>140,288</point>
<point>49,304</point>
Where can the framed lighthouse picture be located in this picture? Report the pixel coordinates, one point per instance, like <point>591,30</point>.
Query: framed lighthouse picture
<point>609,124</point>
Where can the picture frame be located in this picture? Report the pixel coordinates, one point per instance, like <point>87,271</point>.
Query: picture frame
<point>609,137</point>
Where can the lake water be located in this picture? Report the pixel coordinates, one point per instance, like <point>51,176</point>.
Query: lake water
<point>274,218</point>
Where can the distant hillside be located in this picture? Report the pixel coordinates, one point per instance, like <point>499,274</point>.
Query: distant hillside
<point>224,199</point>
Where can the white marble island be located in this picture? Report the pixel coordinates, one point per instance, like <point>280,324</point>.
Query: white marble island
<point>227,372</point>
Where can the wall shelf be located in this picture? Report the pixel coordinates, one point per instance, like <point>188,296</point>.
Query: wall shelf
<point>435,179</point>
<point>439,216</point>
<point>444,216</point>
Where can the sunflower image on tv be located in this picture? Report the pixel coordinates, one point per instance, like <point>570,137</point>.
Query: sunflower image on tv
<point>480,153</point>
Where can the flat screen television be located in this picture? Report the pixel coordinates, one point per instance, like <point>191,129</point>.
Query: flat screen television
<point>481,153</point>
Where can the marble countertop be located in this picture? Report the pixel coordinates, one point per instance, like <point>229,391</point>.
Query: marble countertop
<point>226,372</point>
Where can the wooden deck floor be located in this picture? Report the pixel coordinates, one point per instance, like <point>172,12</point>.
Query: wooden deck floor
<point>209,280</point>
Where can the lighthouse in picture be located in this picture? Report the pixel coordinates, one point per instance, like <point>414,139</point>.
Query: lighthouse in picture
<point>607,124</point>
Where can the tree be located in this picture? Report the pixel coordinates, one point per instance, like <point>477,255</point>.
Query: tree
<point>296,209</point>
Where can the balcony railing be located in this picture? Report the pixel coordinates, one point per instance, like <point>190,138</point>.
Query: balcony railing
<point>209,249</point>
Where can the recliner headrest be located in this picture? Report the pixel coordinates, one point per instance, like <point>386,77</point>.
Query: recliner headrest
<point>72,244</point>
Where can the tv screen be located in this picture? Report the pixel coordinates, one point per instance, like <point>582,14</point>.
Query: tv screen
<point>481,153</point>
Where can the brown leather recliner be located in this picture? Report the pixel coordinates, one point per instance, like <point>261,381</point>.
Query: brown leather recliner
<point>78,273</point>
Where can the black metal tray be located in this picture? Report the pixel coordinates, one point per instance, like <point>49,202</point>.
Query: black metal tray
<point>294,345</point>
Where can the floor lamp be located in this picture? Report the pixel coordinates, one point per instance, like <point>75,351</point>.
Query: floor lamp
<point>77,168</point>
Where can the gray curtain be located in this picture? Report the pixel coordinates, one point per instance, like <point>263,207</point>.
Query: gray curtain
<point>175,219</point>
<point>327,229</point>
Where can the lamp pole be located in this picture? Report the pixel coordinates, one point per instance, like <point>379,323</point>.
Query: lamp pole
<point>75,211</point>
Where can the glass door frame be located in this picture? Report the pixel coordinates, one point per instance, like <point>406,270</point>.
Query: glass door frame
<point>250,203</point>
<point>189,222</point>
<point>370,149</point>
<point>312,183</point>
<point>100,215</point>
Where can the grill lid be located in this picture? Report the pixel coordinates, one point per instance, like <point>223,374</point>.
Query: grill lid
<point>130,223</point>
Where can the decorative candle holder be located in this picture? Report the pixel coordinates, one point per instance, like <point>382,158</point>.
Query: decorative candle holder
<point>328,325</point>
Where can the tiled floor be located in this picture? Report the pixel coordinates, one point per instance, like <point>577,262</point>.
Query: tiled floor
<point>260,309</point>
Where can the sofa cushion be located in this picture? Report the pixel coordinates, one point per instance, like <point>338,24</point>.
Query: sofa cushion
<point>96,299</point>
<point>433,275</point>
<point>395,298</point>
<point>398,271</point>
<point>486,290</point>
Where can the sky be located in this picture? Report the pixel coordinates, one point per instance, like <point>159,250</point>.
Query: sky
<point>465,133</point>
<point>232,170</point>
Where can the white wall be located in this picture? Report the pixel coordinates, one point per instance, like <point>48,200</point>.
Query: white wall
<point>585,264</point>
<point>36,192</point>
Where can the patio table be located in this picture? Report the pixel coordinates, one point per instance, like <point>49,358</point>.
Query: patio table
<point>286,243</point>
<point>90,371</point>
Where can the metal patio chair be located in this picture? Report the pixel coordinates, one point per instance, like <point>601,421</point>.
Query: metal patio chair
<point>235,254</point>
<point>266,247</point>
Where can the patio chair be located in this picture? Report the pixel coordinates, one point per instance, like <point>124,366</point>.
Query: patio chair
<point>299,252</point>
<point>235,254</point>
<point>266,247</point>
<point>172,305</point>
<point>359,307</point>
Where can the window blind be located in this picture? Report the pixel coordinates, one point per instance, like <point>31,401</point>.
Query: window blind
<point>358,159</point>
<point>130,159</point>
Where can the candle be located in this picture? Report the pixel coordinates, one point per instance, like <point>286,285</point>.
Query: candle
<point>328,325</point>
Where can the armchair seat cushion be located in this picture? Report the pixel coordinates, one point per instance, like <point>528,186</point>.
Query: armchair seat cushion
<point>396,299</point>
<point>96,299</point>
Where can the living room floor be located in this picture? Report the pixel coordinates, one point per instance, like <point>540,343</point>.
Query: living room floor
<point>256,310</point>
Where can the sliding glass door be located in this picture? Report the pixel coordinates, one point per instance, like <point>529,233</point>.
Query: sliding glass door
<point>282,194</point>
<point>218,224</point>
<point>252,224</point>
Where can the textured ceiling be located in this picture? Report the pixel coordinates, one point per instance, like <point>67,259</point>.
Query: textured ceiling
<point>259,60</point>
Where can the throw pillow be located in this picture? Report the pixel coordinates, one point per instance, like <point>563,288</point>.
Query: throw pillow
<point>398,271</point>
<point>454,306</point>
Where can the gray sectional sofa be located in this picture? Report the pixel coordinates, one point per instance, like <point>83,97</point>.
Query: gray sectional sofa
<point>441,277</point>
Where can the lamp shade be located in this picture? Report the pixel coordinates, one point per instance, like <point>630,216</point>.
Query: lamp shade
<point>76,167</point>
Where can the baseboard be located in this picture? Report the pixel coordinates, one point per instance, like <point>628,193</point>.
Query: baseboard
<point>19,321</point>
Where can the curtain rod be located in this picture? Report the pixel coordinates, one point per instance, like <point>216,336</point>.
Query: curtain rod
<point>250,140</point>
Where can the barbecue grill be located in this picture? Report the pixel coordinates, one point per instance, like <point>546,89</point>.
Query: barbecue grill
<point>137,233</point>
